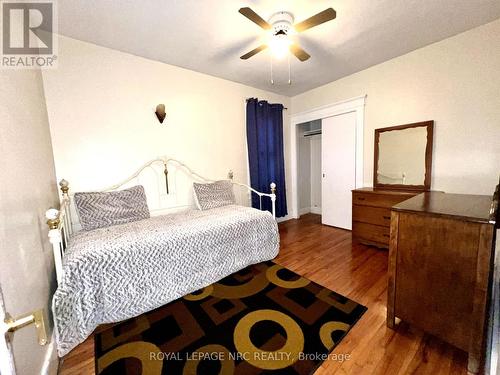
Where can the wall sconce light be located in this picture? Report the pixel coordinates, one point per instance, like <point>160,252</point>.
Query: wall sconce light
<point>160,112</point>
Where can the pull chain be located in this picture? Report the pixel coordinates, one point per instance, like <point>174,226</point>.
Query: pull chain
<point>289,71</point>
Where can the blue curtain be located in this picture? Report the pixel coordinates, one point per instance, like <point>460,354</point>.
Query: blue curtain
<point>265,152</point>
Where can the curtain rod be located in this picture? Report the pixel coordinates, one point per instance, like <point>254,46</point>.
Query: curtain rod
<point>247,99</point>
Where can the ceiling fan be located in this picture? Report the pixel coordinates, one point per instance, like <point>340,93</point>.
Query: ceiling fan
<point>282,28</point>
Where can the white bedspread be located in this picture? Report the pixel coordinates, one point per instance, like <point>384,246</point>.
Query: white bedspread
<point>116,273</point>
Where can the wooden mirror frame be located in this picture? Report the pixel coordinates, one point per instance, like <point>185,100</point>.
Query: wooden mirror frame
<point>429,125</point>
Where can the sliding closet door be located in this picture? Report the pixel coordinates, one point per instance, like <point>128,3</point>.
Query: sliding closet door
<point>339,169</point>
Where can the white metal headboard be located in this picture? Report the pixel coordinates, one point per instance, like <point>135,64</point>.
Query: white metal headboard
<point>168,185</point>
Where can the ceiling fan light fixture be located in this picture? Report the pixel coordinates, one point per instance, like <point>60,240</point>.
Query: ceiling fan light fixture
<point>282,28</point>
<point>279,45</point>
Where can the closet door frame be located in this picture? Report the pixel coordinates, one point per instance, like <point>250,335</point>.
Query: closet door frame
<point>356,105</point>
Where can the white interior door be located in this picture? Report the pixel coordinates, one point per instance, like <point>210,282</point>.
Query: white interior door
<point>27,189</point>
<point>7,366</point>
<point>339,169</point>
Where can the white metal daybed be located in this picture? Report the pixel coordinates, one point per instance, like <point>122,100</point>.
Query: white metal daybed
<point>110,274</point>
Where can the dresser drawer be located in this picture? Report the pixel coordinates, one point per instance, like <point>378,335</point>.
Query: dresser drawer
<point>378,200</point>
<point>370,232</point>
<point>372,215</point>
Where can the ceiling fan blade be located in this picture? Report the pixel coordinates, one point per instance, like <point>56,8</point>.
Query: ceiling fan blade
<point>299,52</point>
<point>254,17</point>
<point>253,52</point>
<point>322,17</point>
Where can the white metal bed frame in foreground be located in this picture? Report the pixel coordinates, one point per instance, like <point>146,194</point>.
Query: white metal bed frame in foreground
<point>62,226</point>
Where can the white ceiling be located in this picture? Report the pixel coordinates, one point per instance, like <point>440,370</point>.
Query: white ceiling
<point>209,35</point>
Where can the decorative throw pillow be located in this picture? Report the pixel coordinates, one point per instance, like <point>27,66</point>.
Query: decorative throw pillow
<point>99,210</point>
<point>214,194</point>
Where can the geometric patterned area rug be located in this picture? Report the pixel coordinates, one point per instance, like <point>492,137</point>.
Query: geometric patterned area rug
<point>264,319</point>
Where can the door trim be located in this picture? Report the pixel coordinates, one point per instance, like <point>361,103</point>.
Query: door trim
<point>357,105</point>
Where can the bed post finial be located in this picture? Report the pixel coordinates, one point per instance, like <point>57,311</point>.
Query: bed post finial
<point>273,198</point>
<point>64,186</point>
<point>52,216</point>
<point>55,238</point>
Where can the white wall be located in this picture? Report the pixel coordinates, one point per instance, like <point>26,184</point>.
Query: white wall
<point>101,106</point>
<point>309,168</point>
<point>455,82</point>
<point>27,190</point>
<point>316,174</point>
<point>304,170</point>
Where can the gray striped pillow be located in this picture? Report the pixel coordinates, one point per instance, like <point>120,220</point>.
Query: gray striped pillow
<point>214,194</point>
<point>99,210</point>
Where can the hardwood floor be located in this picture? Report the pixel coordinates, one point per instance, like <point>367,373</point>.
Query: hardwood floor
<point>329,257</point>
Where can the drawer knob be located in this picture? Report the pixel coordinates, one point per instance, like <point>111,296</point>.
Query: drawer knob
<point>387,217</point>
<point>361,199</point>
<point>386,235</point>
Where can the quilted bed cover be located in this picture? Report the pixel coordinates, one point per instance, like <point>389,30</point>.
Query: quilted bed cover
<point>116,273</point>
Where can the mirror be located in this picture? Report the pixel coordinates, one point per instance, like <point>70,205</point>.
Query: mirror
<point>403,156</point>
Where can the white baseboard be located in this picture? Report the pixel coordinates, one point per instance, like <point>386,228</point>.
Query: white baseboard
<point>316,210</point>
<point>311,210</point>
<point>304,210</point>
<point>284,218</point>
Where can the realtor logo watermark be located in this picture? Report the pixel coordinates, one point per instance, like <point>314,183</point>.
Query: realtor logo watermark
<point>28,30</point>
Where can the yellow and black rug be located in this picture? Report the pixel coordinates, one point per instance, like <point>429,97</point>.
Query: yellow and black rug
<point>263,319</point>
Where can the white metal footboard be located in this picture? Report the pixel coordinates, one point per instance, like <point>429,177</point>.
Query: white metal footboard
<point>61,224</point>
<point>272,195</point>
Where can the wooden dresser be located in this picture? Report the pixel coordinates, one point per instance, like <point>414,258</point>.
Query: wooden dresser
<point>371,214</point>
<point>440,262</point>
